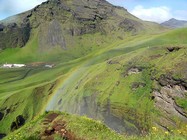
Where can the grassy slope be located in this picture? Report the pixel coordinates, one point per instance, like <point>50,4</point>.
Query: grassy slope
<point>96,77</point>
<point>89,68</point>
<point>27,102</point>
<point>81,128</point>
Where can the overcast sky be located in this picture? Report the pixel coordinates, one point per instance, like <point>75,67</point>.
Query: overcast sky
<point>151,10</point>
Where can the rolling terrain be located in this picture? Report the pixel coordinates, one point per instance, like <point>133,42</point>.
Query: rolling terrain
<point>108,65</point>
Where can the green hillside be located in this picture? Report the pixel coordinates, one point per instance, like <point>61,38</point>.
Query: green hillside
<point>106,64</point>
<point>58,126</point>
<point>104,85</point>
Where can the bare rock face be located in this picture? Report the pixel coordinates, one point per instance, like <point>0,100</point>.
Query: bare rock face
<point>55,35</point>
<point>1,116</point>
<point>82,16</point>
<point>20,121</point>
<point>129,25</point>
<point>134,70</point>
<point>165,99</point>
<point>1,27</point>
<point>91,9</point>
<point>52,36</point>
<point>14,35</point>
<point>2,135</point>
<point>136,85</point>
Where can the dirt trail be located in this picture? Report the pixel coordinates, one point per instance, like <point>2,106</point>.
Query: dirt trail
<point>53,126</point>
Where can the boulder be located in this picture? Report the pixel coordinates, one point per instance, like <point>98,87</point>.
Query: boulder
<point>1,27</point>
<point>20,121</point>
<point>2,136</point>
<point>1,116</point>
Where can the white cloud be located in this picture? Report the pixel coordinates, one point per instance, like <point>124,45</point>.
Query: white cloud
<point>12,7</point>
<point>156,14</point>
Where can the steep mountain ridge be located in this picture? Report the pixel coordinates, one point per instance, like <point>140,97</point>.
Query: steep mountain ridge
<point>174,23</point>
<point>70,18</point>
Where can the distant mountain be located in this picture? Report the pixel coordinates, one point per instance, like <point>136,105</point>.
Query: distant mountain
<point>174,23</point>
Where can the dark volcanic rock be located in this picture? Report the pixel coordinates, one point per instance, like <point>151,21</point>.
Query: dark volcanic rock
<point>1,27</point>
<point>92,10</point>
<point>172,49</point>
<point>20,121</point>
<point>165,80</point>
<point>15,35</point>
<point>8,111</point>
<point>1,116</point>
<point>2,135</point>
<point>13,126</point>
<point>12,25</point>
<point>136,85</point>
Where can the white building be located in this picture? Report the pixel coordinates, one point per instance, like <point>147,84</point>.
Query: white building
<point>18,65</point>
<point>49,66</point>
<point>13,65</point>
<point>7,65</point>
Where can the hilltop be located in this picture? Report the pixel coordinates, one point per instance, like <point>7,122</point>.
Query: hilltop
<point>174,23</point>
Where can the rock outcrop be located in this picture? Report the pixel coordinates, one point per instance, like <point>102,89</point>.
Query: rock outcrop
<point>20,121</point>
<point>165,99</point>
<point>1,27</point>
<point>2,135</point>
<point>1,116</point>
<point>14,35</point>
<point>52,37</point>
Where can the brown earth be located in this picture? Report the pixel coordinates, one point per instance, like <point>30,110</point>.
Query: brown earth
<point>56,127</point>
